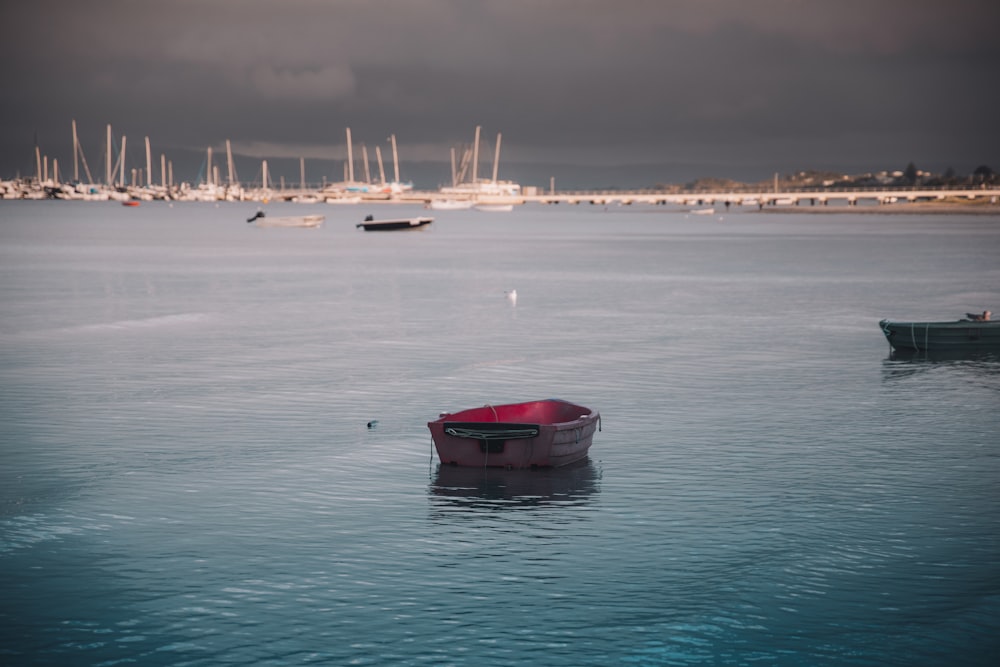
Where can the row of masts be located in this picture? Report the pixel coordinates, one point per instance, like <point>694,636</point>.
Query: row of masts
<point>349,165</point>
<point>116,165</point>
<point>470,158</point>
<point>144,178</point>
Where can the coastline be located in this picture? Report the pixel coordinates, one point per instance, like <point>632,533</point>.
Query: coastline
<point>915,208</point>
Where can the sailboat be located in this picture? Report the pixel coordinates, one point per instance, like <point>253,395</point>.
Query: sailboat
<point>477,188</point>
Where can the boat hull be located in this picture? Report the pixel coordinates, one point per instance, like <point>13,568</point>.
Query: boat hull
<point>291,221</point>
<point>548,433</point>
<point>394,225</point>
<point>942,336</point>
<point>450,204</point>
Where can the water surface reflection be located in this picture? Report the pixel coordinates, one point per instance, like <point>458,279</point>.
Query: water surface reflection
<point>499,489</point>
<point>982,365</point>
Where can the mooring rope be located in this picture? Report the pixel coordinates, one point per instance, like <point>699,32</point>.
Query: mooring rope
<point>479,434</point>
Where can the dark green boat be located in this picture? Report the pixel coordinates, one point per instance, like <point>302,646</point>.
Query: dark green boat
<point>961,335</point>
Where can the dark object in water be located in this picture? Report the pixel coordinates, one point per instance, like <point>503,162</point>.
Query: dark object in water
<point>967,335</point>
<point>372,225</point>
<point>255,216</point>
<point>372,423</point>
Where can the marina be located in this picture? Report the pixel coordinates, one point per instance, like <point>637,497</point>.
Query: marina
<point>465,190</point>
<point>883,197</point>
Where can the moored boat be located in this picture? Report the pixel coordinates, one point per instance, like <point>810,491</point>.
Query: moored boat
<point>495,208</point>
<point>450,204</point>
<point>262,220</point>
<point>967,334</point>
<point>370,224</point>
<point>534,434</point>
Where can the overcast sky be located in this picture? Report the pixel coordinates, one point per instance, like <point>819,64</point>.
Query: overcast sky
<point>634,91</point>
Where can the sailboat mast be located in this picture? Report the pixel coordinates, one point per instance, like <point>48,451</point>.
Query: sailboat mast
<point>149,165</point>
<point>475,157</point>
<point>76,155</point>
<point>78,152</point>
<point>121,163</point>
<point>381,170</point>
<point>302,173</point>
<point>454,174</point>
<point>108,167</point>
<point>229,161</point>
<point>496,159</point>
<point>364,155</point>
<point>395,158</point>
<point>208,167</point>
<point>350,158</point>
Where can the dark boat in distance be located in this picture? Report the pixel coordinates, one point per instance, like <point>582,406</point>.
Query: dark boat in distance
<point>536,434</point>
<point>370,224</point>
<point>976,333</point>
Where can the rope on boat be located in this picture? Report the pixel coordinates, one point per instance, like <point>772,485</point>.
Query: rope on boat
<point>478,434</point>
<point>496,417</point>
<point>913,335</point>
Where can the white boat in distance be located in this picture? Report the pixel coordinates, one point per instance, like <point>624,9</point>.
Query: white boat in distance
<point>260,219</point>
<point>495,208</point>
<point>483,188</point>
<point>356,199</point>
<point>450,204</point>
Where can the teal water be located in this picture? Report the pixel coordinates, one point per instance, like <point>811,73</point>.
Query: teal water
<point>187,476</point>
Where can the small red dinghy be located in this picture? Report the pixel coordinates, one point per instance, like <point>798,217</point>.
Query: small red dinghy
<point>548,433</point>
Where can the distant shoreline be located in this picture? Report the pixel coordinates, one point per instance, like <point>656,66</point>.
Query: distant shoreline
<point>893,209</point>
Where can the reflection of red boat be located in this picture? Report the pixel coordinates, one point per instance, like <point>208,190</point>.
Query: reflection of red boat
<point>130,202</point>
<point>500,489</point>
<point>548,433</point>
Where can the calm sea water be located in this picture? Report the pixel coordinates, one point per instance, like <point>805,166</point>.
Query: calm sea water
<point>187,476</point>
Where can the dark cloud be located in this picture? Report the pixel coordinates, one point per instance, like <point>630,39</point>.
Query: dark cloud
<point>653,90</point>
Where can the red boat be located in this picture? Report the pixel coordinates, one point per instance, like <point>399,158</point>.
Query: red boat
<point>548,433</point>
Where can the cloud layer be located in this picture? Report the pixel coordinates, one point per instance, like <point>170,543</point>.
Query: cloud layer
<point>715,87</point>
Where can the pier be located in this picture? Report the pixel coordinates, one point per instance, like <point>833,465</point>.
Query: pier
<point>759,198</point>
<point>812,197</point>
